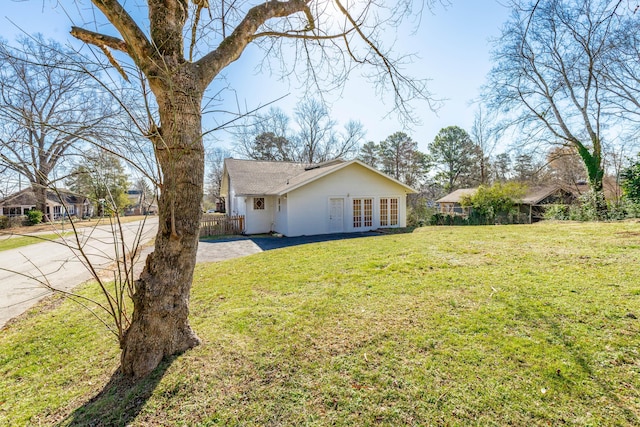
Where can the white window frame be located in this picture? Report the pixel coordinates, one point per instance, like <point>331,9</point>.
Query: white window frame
<point>362,212</point>
<point>389,211</point>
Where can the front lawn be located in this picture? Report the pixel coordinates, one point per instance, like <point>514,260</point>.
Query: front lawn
<point>14,242</point>
<point>496,325</point>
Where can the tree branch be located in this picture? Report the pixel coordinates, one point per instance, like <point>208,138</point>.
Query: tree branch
<point>136,43</point>
<point>98,39</point>
<point>232,46</point>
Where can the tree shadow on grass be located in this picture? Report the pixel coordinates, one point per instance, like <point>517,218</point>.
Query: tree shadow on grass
<point>585,363</point>
<point>583,360</point>
<point>120,401</point>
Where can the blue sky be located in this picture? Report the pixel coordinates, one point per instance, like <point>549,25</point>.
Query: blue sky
<point>452,48</point>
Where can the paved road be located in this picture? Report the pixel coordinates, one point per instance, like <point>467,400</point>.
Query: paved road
<point>58,264</point>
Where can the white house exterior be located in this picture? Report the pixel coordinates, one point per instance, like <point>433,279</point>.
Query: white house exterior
<point>295,199</point>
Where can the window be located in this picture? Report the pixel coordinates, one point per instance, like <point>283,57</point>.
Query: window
<point>258,203</point>
<point>384,212</point>
<point>362,213</point>
<point>388,212</point>
<point>393,212</point>
<point>12,211</point>
<point>368,212</point>
<point>279,205</point>
<point>357,213</point>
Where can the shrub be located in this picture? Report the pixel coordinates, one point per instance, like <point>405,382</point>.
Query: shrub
<point>632,210</point>
<point>16,221</point>
<point>34,217</point>
<point>4,222</point>
<point>498,200</point>
<point>587,207</point>
<point>558,212</point>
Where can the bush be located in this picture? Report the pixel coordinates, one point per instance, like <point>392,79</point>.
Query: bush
<point>4,222</point>
<point>587,207</point>
<point>558,212</point>
<point>632,209</point>
<point>475,218</point>
<point>497,200</point>
<point>34,217</point>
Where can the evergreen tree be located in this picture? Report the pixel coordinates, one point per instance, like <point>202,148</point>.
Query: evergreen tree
<point>103,179</point>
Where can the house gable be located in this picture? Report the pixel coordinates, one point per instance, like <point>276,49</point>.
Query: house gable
<point>353,187</point>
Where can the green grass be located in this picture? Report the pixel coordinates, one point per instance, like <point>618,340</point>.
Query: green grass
<point>14,242</point>
<point>497,325</point>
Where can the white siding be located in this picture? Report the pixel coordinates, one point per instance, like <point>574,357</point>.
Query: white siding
<point>308,206</point>
<point>280,213</point>
<point>258,221</point>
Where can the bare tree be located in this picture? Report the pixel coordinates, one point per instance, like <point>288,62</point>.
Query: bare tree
<point>622,69</point>
<point>313,139</point>
<point>215,159</point>
<point>178,76</point>
<point>46,108</point>
<point>566,166</point>
<point>483,135</point>
<point>549,78</point>
<point>265,137</point>
<point>317,141</point>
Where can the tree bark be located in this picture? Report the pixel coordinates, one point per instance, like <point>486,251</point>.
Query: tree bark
<point>160,325</point>
<point>40,193</point>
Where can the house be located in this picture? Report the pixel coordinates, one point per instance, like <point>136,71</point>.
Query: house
<point>450,204</point>
<point>537,199</point>
<point>60,204</point>
<point>533,203</point>
<point>139,204</point>
<point>297,199</point>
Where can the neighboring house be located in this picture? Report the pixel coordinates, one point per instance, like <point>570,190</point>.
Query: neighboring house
<point>60,204</point>
<point>297,199</point>
<point>537,199</point>
<point>532,204</point>
<point>139,205</point>
<point>450,204</point>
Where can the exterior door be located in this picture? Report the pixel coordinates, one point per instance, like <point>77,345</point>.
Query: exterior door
<point>336,213</point>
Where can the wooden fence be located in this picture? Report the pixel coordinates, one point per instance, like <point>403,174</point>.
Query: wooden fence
<point>219,225</point>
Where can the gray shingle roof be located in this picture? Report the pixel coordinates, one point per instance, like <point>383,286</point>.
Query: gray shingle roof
<point>260,177</point>
<point>27,197</point>
<point>255,177</point>
<point>533,196</point>
<point>457,195</point>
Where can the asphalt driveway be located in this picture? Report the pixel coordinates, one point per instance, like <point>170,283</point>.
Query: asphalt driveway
<point>234,247</point>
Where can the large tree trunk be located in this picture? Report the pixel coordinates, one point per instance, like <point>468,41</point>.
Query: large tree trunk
<point>160,325</point>
<point>40,193</point>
